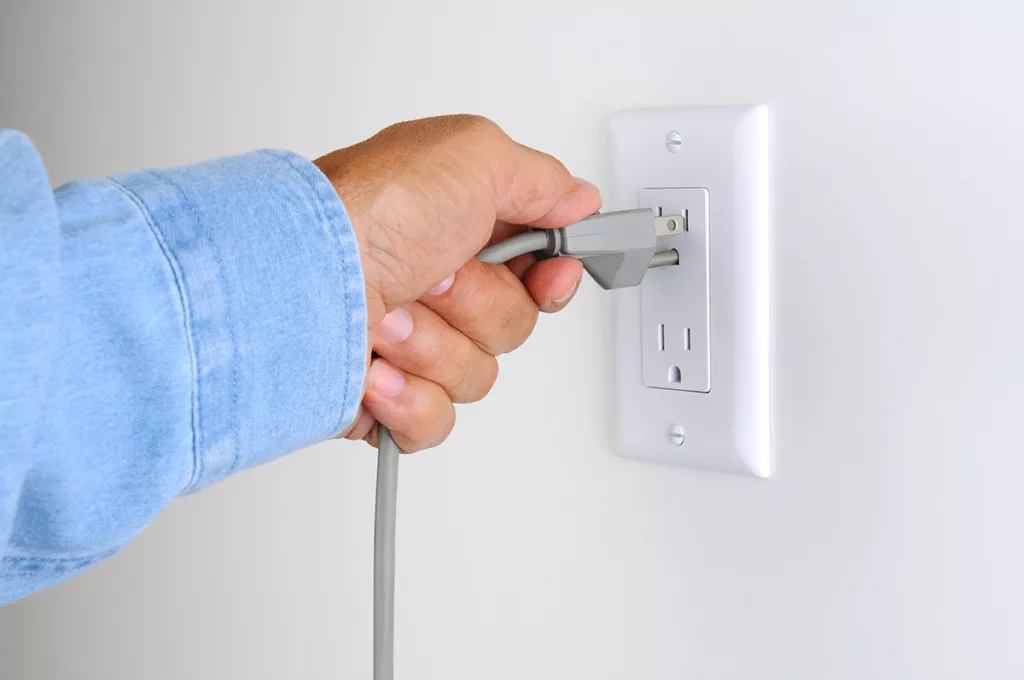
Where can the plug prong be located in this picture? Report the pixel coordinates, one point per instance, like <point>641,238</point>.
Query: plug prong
<point>670,225</point>
<point>665,258</point>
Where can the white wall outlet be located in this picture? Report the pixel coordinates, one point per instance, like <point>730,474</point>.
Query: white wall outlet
<point>691,376</point>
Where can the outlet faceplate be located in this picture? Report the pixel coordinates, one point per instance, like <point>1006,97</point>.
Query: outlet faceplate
<point>706,406</point>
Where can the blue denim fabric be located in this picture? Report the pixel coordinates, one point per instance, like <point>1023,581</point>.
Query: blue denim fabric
<point>160,330</point>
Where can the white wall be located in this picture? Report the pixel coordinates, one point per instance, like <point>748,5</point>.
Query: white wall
<point>889,543</point>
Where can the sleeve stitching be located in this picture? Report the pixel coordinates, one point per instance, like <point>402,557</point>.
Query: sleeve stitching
<point>22,565</point>
<point>186,313</point>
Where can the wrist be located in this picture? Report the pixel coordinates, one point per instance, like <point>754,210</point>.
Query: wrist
<point>353,197</point>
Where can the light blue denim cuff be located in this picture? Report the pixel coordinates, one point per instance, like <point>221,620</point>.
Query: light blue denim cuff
<point>267,267</point>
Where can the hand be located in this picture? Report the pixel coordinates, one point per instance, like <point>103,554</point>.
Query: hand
<point>424,198</point>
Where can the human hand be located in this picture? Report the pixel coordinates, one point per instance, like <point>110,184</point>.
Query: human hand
<point>424,198</point>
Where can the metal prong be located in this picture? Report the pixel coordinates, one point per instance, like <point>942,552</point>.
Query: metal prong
<point>665,258</point>
<point>670,225</point>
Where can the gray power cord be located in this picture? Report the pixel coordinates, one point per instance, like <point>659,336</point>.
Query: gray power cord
<point>514,246</point>
<point>385,516</point>
<point>616,249</point>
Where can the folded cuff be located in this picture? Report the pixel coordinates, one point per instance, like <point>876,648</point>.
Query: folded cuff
<point>267,269</point>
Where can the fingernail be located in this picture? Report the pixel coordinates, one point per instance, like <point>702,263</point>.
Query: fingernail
<point>395,326</point>
<point>586,185</point>
<point>443,286</point>
<point>384,380</point>
<point>560,302</point>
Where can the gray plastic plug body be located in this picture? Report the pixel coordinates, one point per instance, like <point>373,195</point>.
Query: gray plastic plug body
<point>615,248</point>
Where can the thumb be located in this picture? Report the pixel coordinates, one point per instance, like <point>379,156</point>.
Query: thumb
<point>538,191</point>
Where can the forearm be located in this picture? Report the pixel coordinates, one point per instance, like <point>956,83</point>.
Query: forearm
<point>184,324</point>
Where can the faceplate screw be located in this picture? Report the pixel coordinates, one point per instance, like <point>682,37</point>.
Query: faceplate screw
<point>676,435</point>
<point>674,141</point>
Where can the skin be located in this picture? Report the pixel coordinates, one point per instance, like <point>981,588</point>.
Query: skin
<point>424,197</point>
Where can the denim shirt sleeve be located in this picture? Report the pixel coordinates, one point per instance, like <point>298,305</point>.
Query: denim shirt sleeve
<point>160,330</point>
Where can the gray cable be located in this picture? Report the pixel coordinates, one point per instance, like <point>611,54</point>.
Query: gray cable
<point>617,249</point>
<point>520,244</point>
<point>386,511</point>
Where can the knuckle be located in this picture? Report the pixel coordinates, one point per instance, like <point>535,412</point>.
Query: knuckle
<point>435,419</point>
<point>448,424</point>
<point>488,378</point>
<point>464,125</point>
<point>475,290</point>
<point>527,322</point>
<point>517,323</point>
<point>502,314</point>
<point>475,381</point>
<point>477,123</point>
<point>478,301</point>
<point>434,430</point>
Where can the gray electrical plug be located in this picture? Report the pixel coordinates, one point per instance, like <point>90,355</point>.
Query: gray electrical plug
<point>618,248</point>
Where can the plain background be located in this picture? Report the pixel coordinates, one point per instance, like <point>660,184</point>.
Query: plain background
<point>889,542</point>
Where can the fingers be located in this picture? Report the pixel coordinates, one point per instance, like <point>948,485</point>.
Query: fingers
<point>417,411</point>
<point>418,341</point>
<point>553,283</point>
<point>423,197</point>
<point>361,426</point>
<point>487,303</point>
<point>426,364</point>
